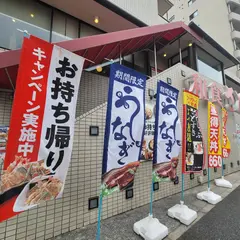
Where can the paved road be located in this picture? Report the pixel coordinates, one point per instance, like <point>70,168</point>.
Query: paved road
<point>221,223</point>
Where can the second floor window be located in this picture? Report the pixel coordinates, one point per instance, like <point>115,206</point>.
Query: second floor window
<point>171,18</point>
<point>193,15</point>
<point>190,2</point>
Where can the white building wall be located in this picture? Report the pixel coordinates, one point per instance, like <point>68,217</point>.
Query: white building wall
<point>144,10</point>
<point>212,18</point>
<point>71,212</point>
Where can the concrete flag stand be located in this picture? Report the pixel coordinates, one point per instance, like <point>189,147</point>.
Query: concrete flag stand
<point>221,182</point>
<point>150,228</point>
<point>182,212</point>
<point>208,195</point>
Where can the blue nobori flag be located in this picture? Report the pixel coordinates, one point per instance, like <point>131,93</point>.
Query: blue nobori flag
<point>168,134</point>
<point>124,128</point>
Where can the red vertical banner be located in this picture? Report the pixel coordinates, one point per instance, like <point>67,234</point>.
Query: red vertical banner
<point>26,121</point>
<point>41,131</point>
<point>214,138</point>
<point>226,146</point>
<point>29,101</point>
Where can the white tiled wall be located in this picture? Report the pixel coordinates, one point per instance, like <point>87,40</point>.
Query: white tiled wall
<point>83,180</point>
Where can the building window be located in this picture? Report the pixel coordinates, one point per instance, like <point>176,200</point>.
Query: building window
<point>87,30</point>
<point>39,20</point>
<point>209,66</point>
<point>193,15</point>
<point>232,84</point>
<point>17,16</point>
<point>190,2</point>
<point>171,18</point>
<point>185,58</point>
<point>64,27</point>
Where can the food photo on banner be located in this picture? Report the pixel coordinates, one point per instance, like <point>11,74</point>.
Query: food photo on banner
<point>226,146</point>
<point>193,146</point>
<point>124,129</point>
<point>41,128</point>
<point>3,138</point>
<point>148,141</point>
<point>3,143</point>
<point>214,138</point>
<point>168,134</point>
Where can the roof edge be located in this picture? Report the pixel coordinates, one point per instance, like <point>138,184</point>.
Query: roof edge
<point>119,11</point>
<point>215,44</point>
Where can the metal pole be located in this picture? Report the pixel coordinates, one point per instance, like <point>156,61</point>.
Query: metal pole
<point>155,63</point>
<point>180,51</point>
<point>182,193</point>
<point>9,78</point>
<point>151,200</point>
<point>208,178</point>
<point>120,53</point>
<point>155,57</point>
<point>221,143</point>
<point>99,218</point>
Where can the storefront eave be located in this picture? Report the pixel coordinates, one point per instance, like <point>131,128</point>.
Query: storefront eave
<point>96,49</point>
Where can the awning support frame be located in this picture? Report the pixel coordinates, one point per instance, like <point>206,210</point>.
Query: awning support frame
<point>9,78</point>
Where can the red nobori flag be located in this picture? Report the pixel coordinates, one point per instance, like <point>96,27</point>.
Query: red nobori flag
<point>41,128</point>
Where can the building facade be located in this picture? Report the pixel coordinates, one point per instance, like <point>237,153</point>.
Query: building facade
<point>57,21</point>
<point>219,18</point>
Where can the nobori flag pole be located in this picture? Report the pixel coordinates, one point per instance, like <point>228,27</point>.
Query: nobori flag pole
<point>221,182</point>
<point>208,195</point>
<point>98,236</point>
<point>150,228</point>
<point>99,216</point>
<point>181,211</point>
<point>156,72</point>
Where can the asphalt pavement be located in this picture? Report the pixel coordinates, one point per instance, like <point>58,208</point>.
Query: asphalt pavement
<point>221,223</point>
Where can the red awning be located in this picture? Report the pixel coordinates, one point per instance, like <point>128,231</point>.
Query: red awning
<point>104,46</point>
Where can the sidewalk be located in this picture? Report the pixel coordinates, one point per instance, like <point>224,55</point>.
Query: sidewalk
<point>120,227</point>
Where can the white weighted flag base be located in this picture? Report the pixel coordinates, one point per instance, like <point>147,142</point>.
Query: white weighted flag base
<point>209,197</point>
<point>183,213</point>
<point>221,182</point>
<point>150,229</point>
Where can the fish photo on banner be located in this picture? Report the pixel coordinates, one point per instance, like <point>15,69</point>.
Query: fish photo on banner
<point>124,129</point>
<point>168,134</point>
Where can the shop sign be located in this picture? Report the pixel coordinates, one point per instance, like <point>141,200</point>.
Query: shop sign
<point>214,138</point>
<point>225,97</point>
<point>148,141</point>
<point>226,146</point>
<point>168,134</point>
<point>193,154</point>
<point>124,129</point>
<point>41,128</point>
